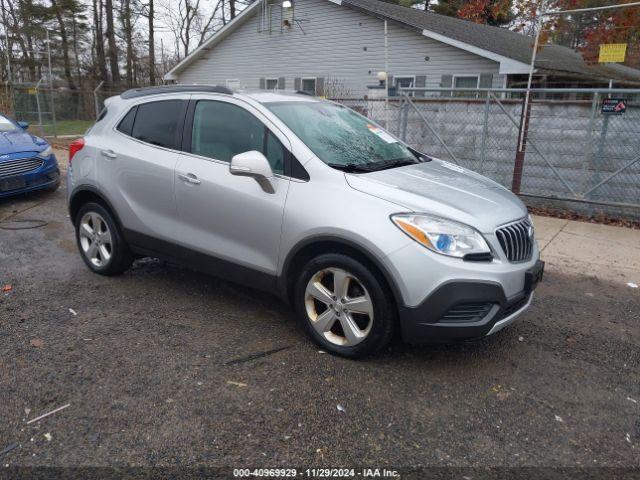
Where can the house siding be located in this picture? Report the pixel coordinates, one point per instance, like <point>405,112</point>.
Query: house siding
<point>328,41</point>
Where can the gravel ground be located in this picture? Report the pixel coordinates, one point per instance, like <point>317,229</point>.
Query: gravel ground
<point>164,366</point>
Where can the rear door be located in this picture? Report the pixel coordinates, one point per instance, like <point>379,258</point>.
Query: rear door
<point>140,162</point>
<point>226,216</point>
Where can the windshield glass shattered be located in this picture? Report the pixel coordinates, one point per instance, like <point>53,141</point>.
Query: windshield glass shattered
<point>341,137</point>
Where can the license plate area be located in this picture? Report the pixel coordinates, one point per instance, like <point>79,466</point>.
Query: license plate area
<point>12,183</point>
<point>533,277</point>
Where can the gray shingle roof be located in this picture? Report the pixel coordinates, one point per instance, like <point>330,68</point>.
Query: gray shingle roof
<point>500,41</point>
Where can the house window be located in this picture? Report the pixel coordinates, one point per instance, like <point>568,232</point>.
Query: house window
<point>470,82</point>
<point>309,85</point>
<point>404,82</point>
<point>271,83</point>
<point>466,81</point>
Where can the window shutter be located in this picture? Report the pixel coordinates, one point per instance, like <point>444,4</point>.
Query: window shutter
<point>263,84</point>
<point>446,81</point>
<point>281,82</point>
<point>421,82</point>
<point>297,84</point>
<point>486,80</point>
<point>320,86</point>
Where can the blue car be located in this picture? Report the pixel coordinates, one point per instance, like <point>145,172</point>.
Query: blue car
<point>27,162</point>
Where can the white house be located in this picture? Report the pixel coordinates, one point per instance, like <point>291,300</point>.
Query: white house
<point>337,47</point>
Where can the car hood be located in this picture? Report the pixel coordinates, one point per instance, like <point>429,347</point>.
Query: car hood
<point>17,142</point>
<point>446,190</point>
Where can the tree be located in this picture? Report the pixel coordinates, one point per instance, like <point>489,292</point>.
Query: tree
<point>490,12</point>
<point>111,41</point>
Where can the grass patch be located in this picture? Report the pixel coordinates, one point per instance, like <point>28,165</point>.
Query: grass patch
<point>63,127</point>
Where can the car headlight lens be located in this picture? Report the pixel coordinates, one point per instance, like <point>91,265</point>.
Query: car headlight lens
<point>46,152</point>
<point>442,235</point>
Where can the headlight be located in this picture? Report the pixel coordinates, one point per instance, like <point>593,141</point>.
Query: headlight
<point>442,235</point>
<point>46,152</point>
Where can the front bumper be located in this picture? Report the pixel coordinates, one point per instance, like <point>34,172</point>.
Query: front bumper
<point>467,310</point>
<point>45,176</point>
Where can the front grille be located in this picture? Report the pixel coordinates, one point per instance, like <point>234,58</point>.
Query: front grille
<point>516,240</point>
<point>19,166</point>
<point>467,312</point>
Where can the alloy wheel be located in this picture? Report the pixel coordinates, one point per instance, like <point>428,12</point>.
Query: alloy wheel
<point>95,239</point>
<point>339,307</point>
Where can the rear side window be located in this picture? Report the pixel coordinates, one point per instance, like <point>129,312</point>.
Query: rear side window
<point>157,123</point>
<point>126,124</point>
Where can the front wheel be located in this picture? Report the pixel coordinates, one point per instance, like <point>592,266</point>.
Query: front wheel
<point>100,242</point>
<point>344,306</point>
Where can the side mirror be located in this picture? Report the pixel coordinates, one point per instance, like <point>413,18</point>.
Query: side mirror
<point>253,164</point>
<point>23,125</point>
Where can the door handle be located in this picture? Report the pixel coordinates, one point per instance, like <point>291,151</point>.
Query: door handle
<point>109,154</point>
<point>189,178</point>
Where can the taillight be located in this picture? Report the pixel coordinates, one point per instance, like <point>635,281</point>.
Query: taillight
<point>75,147</point>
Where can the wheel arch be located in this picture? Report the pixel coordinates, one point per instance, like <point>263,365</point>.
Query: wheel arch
<point>86,194</point>
<point>310,248</point>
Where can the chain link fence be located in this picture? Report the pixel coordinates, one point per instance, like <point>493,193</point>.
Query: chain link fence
<point>581,148</point>
<point>57,112</point>
<point>578,154</point>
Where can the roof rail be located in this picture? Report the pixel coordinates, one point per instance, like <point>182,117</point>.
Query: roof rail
<point>143,92</point>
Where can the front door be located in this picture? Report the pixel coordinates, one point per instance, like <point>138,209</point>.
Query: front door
<point>222,215</point>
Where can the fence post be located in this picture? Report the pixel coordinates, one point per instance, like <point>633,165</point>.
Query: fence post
<point>485,128</point>
<point>518,166</point>
<point>589,143</point>
<point>38,107</point>
<point>95,98</point>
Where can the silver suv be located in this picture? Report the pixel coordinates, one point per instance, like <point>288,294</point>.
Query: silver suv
<point>363,235</point>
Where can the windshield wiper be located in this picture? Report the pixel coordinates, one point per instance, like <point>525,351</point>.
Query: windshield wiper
<point>386,164</point>
<point>351,167</point>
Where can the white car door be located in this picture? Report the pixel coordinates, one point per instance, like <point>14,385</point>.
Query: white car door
<point>232,218</point>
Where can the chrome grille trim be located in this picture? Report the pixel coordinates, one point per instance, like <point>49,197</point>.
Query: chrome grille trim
<point>515,241</point>
<point>19,166</point>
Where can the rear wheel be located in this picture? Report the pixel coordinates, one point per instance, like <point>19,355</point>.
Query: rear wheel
<point>100,242</point>
<point>344,306</point>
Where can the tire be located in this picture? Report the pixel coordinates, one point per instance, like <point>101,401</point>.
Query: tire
<point>329,321</point>
<point>104,251</point>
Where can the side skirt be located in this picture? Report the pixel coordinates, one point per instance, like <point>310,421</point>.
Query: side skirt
<point>146,245</point>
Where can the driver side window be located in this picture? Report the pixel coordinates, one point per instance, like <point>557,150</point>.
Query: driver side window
<point>222,130</point>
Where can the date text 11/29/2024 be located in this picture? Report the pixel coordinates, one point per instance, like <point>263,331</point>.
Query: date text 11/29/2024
<point>315,473</point>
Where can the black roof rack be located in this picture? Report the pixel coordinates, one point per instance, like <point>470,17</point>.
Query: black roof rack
<point>143,92</point>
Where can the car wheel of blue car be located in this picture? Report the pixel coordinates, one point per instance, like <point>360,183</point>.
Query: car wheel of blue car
<point>100,242</point>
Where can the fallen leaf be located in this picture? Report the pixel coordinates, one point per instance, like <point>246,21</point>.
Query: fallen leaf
<point>632,285</point>
<point>37,342</point>
<point>521,339</point>
<point>559,419</point>
<point>48,437</point>
<point>237,384</point>
<point>341,408</point>
<point>7,288</point>
<point>73,312</point>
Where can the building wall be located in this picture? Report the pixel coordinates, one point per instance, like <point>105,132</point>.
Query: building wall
<point>331,42</point>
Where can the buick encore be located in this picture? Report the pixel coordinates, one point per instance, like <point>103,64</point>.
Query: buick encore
<point>364,236</point>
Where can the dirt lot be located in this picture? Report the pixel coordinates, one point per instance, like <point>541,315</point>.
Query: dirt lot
<point>164,366</point>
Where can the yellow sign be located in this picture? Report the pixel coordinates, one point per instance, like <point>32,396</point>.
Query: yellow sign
<point>612,52</point>
<point>32,91</point>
